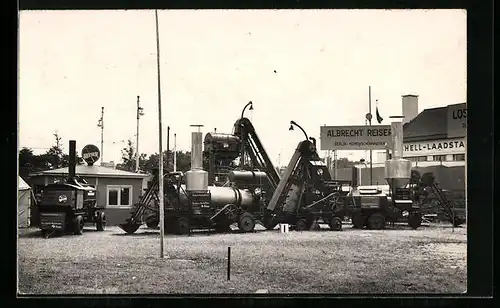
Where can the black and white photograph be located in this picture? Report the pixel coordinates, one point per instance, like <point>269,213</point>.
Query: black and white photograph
<point>242,152</point>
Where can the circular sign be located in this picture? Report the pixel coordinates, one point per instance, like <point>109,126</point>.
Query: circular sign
<point>369,116</point>
<point>90,154</point>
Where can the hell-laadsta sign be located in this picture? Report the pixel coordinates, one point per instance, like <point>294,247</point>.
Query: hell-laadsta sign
<point>90,154</point>
<point>361,137</point>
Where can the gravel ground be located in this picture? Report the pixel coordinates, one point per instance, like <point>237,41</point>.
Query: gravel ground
<point>431,259</point>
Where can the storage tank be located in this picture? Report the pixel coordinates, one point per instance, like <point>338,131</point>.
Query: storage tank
<point>397,169</point>
<point>196,177</point>
<point>220,196</point>
<point>248,177</point>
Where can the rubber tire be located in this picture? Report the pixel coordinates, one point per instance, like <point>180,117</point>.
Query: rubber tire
<point>376,221</point>
<point>246,222</point>
<point>78,225</point>
<point>335,224</point>
<point>182,226</point>
<point>101,222</point>
<point>414,221</point>
<point>358,221</point>
<point>301,225</point>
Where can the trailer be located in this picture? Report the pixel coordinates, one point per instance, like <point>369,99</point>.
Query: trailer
<point>66,207</point>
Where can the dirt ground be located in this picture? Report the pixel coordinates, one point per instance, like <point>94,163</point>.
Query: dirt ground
<point>431,259</point>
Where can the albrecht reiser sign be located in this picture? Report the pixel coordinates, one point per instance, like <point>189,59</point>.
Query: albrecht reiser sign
<point>362,137</point>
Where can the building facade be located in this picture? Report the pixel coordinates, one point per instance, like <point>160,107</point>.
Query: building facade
<point>435,140</point>
<point>117,190</point>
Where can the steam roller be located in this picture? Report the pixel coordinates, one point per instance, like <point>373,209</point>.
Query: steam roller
<point>190,203</point>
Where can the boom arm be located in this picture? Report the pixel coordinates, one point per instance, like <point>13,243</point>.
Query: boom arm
<point>244,129</point>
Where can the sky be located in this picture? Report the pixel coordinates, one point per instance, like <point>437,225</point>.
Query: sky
<point>310,66</point>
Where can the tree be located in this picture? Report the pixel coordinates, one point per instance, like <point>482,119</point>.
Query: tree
<point>128,159</point>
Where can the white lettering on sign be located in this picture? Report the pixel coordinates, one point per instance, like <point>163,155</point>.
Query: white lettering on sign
<point>454,146</point>
<point>91,154</point>
<point>457,120</point>
<point>355,137</point>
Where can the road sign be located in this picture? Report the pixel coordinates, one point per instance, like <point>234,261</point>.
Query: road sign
<point>360,137</point>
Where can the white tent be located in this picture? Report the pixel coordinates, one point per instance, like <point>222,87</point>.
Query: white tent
<point>24,203</point>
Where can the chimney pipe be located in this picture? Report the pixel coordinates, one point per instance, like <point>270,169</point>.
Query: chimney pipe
<point>72,160</point>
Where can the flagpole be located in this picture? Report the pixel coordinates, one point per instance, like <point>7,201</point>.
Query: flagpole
<point>160,167</point>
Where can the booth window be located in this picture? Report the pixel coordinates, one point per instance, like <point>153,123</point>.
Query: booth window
<point>119,196</point>
<point>458,157</point>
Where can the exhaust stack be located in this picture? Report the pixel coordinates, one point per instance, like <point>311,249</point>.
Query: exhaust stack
<point>397,169</point>
<point>196,177</point>
<point>72,161</point>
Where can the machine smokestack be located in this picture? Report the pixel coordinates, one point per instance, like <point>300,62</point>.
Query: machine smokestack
<point>397,169</point>
<point>397,139</point>
<point>196,178</point>
<point>196,150</point>
<point>72,160</point>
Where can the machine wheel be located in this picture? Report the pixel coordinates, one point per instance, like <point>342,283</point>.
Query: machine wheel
<point>358,221</point>
<point>182,226</point>
<point>101,222</point>
<point>335,224</point>
<point>78,225</point>
<point>246,223</point>
<point>376,221</point>
<point>301,225</point>
<point>414,221</point>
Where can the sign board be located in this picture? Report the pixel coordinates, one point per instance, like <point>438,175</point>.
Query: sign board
<point>457,120</point>
<point>436,147</point>
<point>360,137</point>
<point>90,154</point>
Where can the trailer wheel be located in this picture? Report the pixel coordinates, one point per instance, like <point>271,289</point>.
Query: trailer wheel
<point>182,226</point>
<point>101,222</point>
<point>78,225</point>
<point>414,221</point>
<point>358,221</point>
<point>301,225</point>
<point>376,221</point>
<point>336,224</point>
<point>246,223</point>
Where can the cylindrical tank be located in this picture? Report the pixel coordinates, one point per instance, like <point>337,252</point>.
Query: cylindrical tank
<point>220,196</point>
<point>196,180</point>
<point>226,142</point>
<point>247,177</point>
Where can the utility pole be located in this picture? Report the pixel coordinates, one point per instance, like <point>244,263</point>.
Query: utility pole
<point>140,112</point>
<point>175,152</point>
<point>160,171</point>
<point>168,148</point>
<point>101,125</point>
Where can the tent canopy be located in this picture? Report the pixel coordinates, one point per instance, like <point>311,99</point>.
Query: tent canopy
<point>22,185</point>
